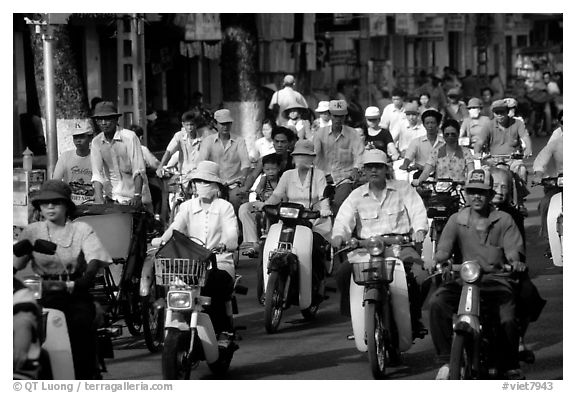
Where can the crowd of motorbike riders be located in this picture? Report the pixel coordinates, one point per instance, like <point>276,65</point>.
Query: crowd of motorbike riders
<point>294,156</point>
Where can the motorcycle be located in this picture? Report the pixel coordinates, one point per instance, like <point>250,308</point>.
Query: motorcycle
<point>54,332</point>
<point>379,303</point>
<point>519,177</point>
<point>287,264</point>
<point>442,198</point>
<point>181,268</point>
<point>555,219</point>
<point>474,353</point>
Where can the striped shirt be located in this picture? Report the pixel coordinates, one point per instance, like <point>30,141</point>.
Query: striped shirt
<point>400,211</point>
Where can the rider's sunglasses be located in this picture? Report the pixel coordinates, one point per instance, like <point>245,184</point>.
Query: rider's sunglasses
<point>371,166</point>
<point>52,202</point>
<point>500,111</point>
<point>450,135</point>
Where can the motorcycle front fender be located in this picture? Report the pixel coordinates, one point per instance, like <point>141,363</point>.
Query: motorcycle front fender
<point>357,315</point>
<point>147,276</point>
<point>177,320</point>
<point>468,318</point>
<point>555,211</point>
<point>57,344</point>
<point>401,306</point>
<point>207,337</point>
<point>303,249</point>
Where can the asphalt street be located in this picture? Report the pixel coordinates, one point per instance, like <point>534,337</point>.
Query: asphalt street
<point>319,350</point>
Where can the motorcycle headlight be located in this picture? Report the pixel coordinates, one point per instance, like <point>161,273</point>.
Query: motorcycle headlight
<point>443,186</point>
<point>35,285</point>
<point>289,212</point>
<point>470,271</point>
<point>560,181</point>
<point>179,300</point>
<point>375,246</point>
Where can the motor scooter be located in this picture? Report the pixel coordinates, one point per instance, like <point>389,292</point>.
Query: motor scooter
<point>555,219</point>
<point>54,330</point>
<point>474,353</point>
<point>379,302</point>
<point>442,198</point>
<point>287,264</point>
<point>181,267</point>
<point>519,176</point>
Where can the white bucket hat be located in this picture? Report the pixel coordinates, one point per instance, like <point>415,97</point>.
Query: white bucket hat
<point>207,171</point>
<point>323,106</point>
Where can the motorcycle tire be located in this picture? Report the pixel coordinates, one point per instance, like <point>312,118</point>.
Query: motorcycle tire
<point>152,318</point>
<point>376,339</point>
<point>460,359</point>
<point>274,302</point>
<point>174,364</point>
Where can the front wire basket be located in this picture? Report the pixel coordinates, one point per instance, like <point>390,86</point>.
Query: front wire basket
<point>377,270</point>
<point>181,270</point>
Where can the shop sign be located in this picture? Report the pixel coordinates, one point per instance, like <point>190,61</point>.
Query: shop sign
<point>406,24</point>
<point>202,27</point>
<point>432,28</point>
<point>341,57</point>
<point>378,25</point>
<point>456,22</point>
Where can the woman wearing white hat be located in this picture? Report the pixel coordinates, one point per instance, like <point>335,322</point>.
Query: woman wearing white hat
<point>211,220</point>
<point>324,119</point>
<point>305,185</point>
<point>300,126</point>
<point>375,137</point>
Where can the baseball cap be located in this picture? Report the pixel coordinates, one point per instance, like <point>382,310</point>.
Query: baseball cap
<point>338,107</point>
<point>474,103</point>
<point>323,106</point>
<point>223,116</point>
<point>480,179</point>
<point>372,112</point>
<point>81,129</point>
<point>499,104</point>
<point>374,156</point>
<point>411,108</point>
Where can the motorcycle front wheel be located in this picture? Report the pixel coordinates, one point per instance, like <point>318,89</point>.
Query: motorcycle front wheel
<point>274,303</point>
<point>376,339</point>
<point>152,318</point>
<point>174,363</point>
<point>460,359</point>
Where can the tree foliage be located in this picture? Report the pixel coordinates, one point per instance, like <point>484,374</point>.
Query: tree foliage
<point>70,92</point>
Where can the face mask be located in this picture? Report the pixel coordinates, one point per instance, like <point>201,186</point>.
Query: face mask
<point>206,191</point>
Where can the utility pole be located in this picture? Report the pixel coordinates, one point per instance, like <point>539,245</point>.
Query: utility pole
<point>45,26</point>
<point>364,49</point>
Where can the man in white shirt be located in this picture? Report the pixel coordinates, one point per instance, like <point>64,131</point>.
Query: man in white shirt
<point>284,97</point>
<point>411,129</point>
<point>74,166</point>
<point>118,168</point>
<point>186,143</point>
<point>394,114</point>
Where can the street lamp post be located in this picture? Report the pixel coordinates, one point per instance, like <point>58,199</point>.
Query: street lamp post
<point>51,134</point>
